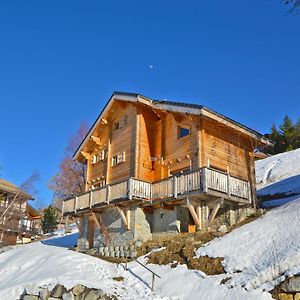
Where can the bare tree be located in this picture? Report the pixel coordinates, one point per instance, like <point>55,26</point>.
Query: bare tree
<point>293,4</point>
<point>28,185</point>
<point>70,180</point>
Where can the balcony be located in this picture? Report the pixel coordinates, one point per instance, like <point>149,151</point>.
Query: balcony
<point>205,181</point>
<point>12,208</point>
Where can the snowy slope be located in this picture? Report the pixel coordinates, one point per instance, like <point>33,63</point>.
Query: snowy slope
<point>279,173</point>
<point>36,265</point>
<point>265,250</point>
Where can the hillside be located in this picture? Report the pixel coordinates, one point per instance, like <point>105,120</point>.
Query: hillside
<point>278,178</point>
<point>256,257</point>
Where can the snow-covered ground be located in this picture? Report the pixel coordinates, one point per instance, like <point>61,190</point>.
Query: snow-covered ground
<point>262,253</point>
<point>279,174</point>
<point>257,256</point>
<point>36,264</point>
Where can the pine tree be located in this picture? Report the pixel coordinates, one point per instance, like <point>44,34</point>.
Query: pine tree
<point>49,223</point>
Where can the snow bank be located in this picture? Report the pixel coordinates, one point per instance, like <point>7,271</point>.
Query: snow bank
<point>265,250</point>
<point>279,173</point>
<point>35,265</point>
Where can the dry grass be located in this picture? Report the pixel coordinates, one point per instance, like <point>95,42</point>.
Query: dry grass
<point>180,249</point>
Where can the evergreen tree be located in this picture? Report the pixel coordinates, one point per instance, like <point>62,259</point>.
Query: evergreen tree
<point>49,222</point>
<point>287,137</point>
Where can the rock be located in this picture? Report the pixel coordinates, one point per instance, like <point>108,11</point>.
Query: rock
<point>44,293</point>
<point>53,298</point>
<point>58,291</point>
<point>68,296</point>
<point>80,297</point>
<point>32,290</point>
<point>29,297</point>
<point>94,294</point>
<point>291,285</point>
<point>138,243</point>
<point>283,296</point>
<point>78,289</point>
<point>223,229</point>
<point>297,296</point>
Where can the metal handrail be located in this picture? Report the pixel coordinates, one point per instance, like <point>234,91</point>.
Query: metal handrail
<point>153,273</point>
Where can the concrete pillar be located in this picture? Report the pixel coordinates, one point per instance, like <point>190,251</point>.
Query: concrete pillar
<point>83,240</point>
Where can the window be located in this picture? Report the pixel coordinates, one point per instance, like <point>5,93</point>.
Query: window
<point>98,157</point>
<point>118,158</point>
<point>101,155</point>
<point>183,131</point>
<point>121,123</point>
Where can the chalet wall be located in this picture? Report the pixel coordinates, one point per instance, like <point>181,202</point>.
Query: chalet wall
<point>114,142</point>
<point>225,150</point>
<point>176,151</point>
<point>123,140</point>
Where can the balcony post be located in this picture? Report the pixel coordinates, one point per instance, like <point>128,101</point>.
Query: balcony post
<point>228,185</point>
<point>204,180</point>
<point>249,192</point>
<point>107,194</point>
<point>75,204</point>
<point>130,185</point>
<point>175,192</point>
<point>91,198</point>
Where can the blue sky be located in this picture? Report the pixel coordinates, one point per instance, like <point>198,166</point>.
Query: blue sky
<point>61,60</point>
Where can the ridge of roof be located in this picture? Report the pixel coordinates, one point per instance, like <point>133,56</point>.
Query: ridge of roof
<point>8,186</point>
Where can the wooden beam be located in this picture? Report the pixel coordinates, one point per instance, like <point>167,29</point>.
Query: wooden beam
<point>194,215</point>
<point>124,217</point>
<point>96,139</point>
<point>97,221</point>
<point>86,155</point>
<point>213,214</point>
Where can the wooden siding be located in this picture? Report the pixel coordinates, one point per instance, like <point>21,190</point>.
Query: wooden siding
<point>114,142</point>
<point>225,150</point>
<point>154,151</point>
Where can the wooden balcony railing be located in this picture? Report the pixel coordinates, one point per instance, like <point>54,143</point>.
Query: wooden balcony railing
<point>204,180</point>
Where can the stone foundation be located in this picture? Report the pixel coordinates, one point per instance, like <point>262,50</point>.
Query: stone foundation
<point>145,226</point>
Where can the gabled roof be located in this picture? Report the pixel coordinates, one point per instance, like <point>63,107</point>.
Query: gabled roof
<point>8,187</point>
<point>180,107</point>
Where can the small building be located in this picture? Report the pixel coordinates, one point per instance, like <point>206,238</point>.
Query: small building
<point>13,203</point>
<point>30,225</point>
<point>159,167</point>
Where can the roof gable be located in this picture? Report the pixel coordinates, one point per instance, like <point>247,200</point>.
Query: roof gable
<point>180,107</point>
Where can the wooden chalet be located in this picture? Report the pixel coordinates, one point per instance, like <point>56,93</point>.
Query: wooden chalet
<point>13,202</point>
<point>156,167</point>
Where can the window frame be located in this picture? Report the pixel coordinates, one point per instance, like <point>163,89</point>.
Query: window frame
<point>184,127</point>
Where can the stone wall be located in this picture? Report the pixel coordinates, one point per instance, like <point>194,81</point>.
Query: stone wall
<point>60,292</point>
<point>288,290</point>
<point>165,221</point>
<point>142,225</point>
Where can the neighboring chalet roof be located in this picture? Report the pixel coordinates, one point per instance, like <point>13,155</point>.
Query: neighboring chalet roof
<point>180,107</point>
<point>32,212</point>
<point>8,187</point>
